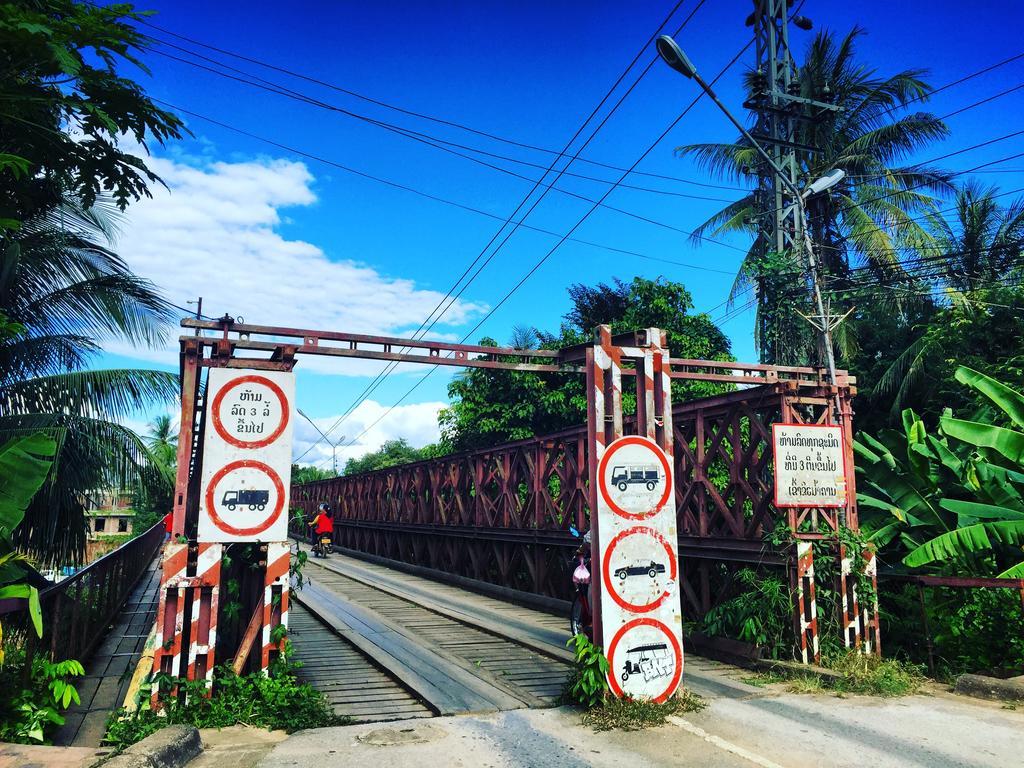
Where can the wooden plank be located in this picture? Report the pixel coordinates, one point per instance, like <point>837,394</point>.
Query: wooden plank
<point>445,686</point>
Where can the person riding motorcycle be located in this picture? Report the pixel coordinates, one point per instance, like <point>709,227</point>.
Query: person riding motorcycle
<point>322,524</point>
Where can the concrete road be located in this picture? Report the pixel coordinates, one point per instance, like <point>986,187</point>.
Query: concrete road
<point>768,729</point>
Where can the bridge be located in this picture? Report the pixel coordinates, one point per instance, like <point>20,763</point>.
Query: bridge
<point>492,525</point>
<point>448,593</point>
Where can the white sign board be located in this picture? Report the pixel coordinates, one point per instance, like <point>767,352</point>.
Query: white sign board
<point>810,465</point>
<point>639,569</point>
<point>247,455</point>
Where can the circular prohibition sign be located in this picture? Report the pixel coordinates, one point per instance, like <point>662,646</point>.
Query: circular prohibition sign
<point>613,680</point>
<point>218,424</point>
<point>637,530</point>
<point>211,495</point>
<point>602,475</point>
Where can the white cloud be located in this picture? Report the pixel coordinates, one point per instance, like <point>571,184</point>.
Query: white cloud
<point>417,423</point>
<point>214,233</point>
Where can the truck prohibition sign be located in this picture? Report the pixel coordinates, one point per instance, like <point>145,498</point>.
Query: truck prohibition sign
<point>255,500</point>
<point>641,474</point>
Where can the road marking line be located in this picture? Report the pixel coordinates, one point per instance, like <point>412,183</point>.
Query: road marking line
<point>721,743</point>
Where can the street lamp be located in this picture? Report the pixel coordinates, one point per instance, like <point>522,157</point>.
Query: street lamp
<point>334,445</point>
<point>676,58</point>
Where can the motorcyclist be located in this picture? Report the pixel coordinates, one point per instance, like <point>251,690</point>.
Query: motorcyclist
<point>323,523</point>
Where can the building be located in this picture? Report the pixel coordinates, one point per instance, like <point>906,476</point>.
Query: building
<point>110,519</point>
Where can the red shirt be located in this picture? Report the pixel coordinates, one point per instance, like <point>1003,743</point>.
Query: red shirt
<point>324,524</point>
<point>169,522</point>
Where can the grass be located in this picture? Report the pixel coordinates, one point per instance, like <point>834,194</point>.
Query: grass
<point>860,674</point>
<point>636,714</point>
<point>874,676</point>
<point>805,684</point>
<point>763,679</point>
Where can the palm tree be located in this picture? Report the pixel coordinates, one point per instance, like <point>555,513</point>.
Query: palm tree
<point>69,293</point>
<point>975,254</point>
<point>162,440</point>
<point>870,218</point>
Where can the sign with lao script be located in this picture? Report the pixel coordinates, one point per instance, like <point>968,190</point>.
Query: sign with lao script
<point>810,465</point>
<point>247,453</point>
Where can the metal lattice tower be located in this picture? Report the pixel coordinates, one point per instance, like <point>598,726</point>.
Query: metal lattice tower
<point>776,122</point>
<point>780,110</point>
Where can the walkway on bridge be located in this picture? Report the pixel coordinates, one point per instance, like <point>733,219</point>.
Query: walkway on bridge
<point>108,671</point>
<point>384,644</point>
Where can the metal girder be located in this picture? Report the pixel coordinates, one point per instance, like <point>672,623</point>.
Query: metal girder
<point>280,353</point>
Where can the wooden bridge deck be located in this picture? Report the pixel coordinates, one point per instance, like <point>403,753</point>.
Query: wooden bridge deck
<point>455,651</point>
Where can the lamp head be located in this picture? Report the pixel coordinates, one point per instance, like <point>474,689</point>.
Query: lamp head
<point>827,181</point>
<point>674,56</point>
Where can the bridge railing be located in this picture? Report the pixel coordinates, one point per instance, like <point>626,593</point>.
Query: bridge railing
<point>502,514</point>
<point>78,610</point>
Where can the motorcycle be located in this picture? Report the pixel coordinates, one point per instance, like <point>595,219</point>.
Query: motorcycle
<point>580,616</point>
<point>322,544</point>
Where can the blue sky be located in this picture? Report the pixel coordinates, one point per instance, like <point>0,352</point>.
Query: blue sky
<point>278,238</point>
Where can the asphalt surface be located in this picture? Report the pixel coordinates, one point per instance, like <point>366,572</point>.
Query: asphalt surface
<point>770,729</point>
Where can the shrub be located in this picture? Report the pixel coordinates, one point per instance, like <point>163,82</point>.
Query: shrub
<point>33,713</point>
<point>628,714</point>
<point>758,615</point>
<point>588,682</point>
<point>274,701</point>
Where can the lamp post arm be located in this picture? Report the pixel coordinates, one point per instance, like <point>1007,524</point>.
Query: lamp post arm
<point>800,203</point>
<point>325,437</point>
<point>746,134</point>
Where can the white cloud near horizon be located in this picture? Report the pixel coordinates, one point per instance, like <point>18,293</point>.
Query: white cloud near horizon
<point>417,423</point>
<point>214,232</point>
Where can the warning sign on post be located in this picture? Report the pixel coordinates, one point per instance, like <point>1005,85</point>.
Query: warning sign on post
<point>247,452</point>
<point>639,568</point>
<point>810,465</point>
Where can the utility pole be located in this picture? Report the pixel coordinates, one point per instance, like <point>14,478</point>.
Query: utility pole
<point>674,56</point>
<point>334,445</point>
<point>199,309</point>
<point>780,110</point>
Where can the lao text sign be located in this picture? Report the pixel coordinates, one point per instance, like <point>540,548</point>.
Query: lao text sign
<point>247,453</point>
<point>810,465</point>
<point>639,569</point>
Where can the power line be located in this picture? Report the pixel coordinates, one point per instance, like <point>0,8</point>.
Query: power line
<point>424,327</point>
<point>402,110</point>
<point>490,135</point>
<point>436,142</point>
<point>546,256</point>
<point>436,198</point>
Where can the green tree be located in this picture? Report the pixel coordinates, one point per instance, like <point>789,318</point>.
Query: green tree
<point>154,497</point>
<point>309,474</point>
<point>869,217</point>
<point>24,465</point>
<point>493,406</point>
<point>391,454</point>
<point>952,502</point>
<point>66,105</point>
<point>68,292</point>
<point>963,303</point>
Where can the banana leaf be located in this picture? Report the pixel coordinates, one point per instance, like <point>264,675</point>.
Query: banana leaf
<point>979,511</point>
<point>1006,441</point>
<point>24,464</point>
<point>1016,572</point>
<point>1008,400</point>
<point>962,542</point>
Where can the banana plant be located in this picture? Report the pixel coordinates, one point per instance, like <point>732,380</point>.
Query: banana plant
<point>954,498</point>
<point>24,464</point>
